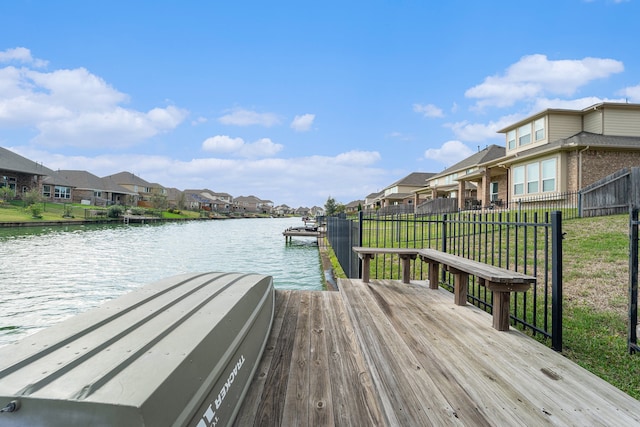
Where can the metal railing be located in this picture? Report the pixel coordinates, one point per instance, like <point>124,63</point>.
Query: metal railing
<point>530,243</point>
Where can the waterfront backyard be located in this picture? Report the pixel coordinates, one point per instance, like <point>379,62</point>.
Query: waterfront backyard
<point>595,276</point>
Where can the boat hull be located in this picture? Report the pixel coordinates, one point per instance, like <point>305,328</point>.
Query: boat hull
<point>181,351</point>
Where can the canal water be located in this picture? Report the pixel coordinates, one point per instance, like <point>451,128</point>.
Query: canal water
<point>48,274</point>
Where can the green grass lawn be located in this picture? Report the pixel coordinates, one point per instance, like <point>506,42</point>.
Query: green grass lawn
<point>15,211</point>
<point>595,290</point>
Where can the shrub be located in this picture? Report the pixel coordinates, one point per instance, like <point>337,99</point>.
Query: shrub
<point>115,211</point>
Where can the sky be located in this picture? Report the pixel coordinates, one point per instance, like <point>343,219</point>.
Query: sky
<point>294,101</point>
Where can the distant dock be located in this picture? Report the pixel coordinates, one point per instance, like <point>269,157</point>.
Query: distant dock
<point>310,229</point>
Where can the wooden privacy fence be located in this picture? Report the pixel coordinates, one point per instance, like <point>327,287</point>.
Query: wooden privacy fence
<point>612,195</point>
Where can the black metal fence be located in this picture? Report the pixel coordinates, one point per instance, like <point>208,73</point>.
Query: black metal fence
<point>633,281</point>
<point>529,242</point>
<point>570,203</point>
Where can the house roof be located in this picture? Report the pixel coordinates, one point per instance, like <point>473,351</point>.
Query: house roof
<point>489,153</point>
<point>128,178</point>
<point>55,178</point>
<point>11,161</point>
<point>415,179</point>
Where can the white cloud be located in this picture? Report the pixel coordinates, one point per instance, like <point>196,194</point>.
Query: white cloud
<point>263,147</point>
<point>428,110</point>
<point>301,181</point>
<point>303,123</point>
<point>536,76</point>
<point>631,93</point>
<point>75,108</point>
<point>21,55</point>
<point>242,117</point>
<point>477,132</point>
<point>450,153</point>
<point>358,158</point>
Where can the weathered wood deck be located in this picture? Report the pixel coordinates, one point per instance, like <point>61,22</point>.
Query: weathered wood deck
<point>387,353</point>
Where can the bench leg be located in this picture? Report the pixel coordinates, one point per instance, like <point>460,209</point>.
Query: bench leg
<point>434,275</point>
<point>460,284</point>
<point>501,311</point>
<point>406,267</point>
<point>366,262</point>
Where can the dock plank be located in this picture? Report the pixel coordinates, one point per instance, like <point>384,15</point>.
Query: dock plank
<point>387,353</point>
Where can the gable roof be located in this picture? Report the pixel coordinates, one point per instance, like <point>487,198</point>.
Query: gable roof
<point>128,178</point>
<point>11,161</point>
<point>489,153</point>
<point>414,179</point>
<point>84,180</point>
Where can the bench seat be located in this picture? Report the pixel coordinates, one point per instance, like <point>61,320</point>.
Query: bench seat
<point>405,254</point>
<point>498,280</point>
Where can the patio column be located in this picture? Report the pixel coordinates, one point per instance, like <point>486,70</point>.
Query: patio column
<point>461,195</point>
<point>486,190</point>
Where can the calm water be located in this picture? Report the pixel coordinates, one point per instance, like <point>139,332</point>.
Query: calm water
<point>49,274</point>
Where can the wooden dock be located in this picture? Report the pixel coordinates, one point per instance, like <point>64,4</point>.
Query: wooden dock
<point>393,354</point>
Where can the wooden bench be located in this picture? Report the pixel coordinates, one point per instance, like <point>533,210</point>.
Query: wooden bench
<point>405,254</point>
<point>498,280</point>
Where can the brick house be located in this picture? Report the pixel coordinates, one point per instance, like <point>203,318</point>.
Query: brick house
<point>557,151</point>
<point>19,173</point>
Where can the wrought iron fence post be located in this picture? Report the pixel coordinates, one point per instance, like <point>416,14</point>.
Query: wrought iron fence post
<point>632,342</point>
<point>556,280</point>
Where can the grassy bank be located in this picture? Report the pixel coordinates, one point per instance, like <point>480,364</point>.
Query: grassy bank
<point>596,285</point>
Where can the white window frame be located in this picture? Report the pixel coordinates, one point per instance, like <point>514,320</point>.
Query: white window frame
<point>524,135</point>
<point>539,130</point>
<point>518,180</point>
<point>511,139</point>
<point>533,178</point>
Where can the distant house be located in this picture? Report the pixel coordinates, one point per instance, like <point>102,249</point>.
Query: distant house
<point>145,191</point>
<point>316,211</point>
<point>402,192</point>
<point>90,189</point>
<point>252,204</point>
<point>353,206</point>
<point>21,174</point>
<point>56,188</point>
<point>372,201</point>
<point>206,199</point>
<point>459,180</point>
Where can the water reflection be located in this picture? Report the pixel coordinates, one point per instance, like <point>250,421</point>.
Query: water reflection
<point>48,273</point>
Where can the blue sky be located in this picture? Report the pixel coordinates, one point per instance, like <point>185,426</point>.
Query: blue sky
<point>297,101</point>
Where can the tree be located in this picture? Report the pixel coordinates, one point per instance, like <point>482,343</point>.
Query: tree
<point>330,206</point>
<point>6,193</point>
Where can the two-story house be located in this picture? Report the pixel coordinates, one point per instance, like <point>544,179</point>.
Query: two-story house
<point>550,153</point>
<point>144,190</point>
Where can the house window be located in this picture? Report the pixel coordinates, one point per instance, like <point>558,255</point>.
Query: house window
<point>539,129</point>
<point>524,134</point>
<point>97,194</point>
<point>533,177</point>
<point>62,192</point>
<point>46,191</point>
<point>549,175</point>
<point>493,191</point>
<point>540,177</point>
<point>511,139</point>
<point>518,180</point>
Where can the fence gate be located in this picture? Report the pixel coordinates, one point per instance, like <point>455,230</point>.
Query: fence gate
<point>633,281</point>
